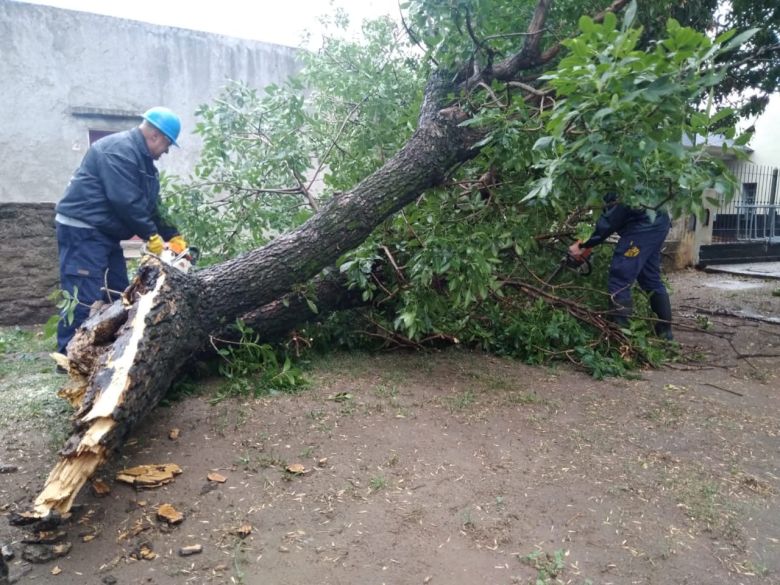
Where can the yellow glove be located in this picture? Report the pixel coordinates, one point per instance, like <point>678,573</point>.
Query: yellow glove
<point>177,244</point>
<point>155,244</point>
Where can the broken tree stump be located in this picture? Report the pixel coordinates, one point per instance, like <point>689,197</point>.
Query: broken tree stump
<point>132,359</point>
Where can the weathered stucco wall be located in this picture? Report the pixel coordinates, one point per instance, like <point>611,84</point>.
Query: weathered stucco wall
<point>28,270</point>
<point>66,72</point>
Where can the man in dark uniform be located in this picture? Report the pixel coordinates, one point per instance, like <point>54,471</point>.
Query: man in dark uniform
<point>637,258</point>
<point>112,196</point>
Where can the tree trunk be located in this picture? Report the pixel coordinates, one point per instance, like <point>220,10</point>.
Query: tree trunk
<point>126,356</point>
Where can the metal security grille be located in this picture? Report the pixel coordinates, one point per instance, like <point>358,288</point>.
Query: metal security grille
<point>754,212</point>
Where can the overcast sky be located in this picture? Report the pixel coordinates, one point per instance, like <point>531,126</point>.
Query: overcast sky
<point>273,21</point>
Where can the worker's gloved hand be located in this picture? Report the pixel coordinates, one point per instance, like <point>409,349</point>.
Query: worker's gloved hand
<point>575,251</point>
<point>155,244</point>
<point>177,244</point>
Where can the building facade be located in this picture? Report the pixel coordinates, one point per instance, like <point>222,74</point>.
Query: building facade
<point>70,77</point>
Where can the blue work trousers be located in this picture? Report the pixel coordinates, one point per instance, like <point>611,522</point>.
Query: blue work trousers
<point>90,262</point>
<point>637,258</point>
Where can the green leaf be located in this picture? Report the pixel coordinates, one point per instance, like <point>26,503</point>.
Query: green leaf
<point>50,327</point>
<point>586,24</point>
<point>312,306</point>
<point>628,19</point>
<point>740,39</point>
<point>543,143</point>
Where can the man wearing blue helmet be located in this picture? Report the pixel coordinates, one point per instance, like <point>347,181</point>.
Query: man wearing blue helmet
<point>112,196</point>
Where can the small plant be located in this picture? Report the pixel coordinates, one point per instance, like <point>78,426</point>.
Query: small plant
<point>703,322</point>
<point>378,483</point>
<point>548,567</point>
<point>462,400</point>
<point>66,304</point>
<point>252,368</point>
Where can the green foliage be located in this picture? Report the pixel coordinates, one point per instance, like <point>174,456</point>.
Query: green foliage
<point>14,339</point>
<point>66,304</point>
<point>248,185</point>
<point>622,115</point>
<point>467,262</point>
<point>251,368</point>
<point>548,566</point>
<point>269,157</point>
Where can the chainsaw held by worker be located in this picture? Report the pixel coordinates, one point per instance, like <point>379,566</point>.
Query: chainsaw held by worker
<point>184,261</point>
<point>579,265</point>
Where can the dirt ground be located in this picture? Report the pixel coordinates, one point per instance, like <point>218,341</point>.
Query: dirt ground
<point>449,468</point>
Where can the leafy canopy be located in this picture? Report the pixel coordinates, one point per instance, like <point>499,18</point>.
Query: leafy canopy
<point>467,262</point>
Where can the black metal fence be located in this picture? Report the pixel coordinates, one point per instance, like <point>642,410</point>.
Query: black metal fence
<point>754,212</point>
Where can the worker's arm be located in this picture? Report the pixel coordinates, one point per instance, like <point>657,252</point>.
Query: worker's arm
<point>610,221</point>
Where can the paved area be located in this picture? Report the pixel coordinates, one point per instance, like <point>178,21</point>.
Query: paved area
<point>755,269</point>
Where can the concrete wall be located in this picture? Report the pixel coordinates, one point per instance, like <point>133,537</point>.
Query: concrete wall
<point>28,263</point>
<point>65,72</point>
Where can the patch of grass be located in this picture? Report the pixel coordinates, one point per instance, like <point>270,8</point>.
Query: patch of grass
<point>316,415</point>
<point>25,340</point>
<point>385,391</point>
<point>232,416</point>
<point>548,566</point>
<point>668,412</point>
<point>461,401</point>
<point>523,398</point>
<point>378,483</point>
<point>467,521</point>
<point>490,381</point>
<point>253,462</point>
<point>28,386</point>
<point>754,568</point>
<point>707,507</point>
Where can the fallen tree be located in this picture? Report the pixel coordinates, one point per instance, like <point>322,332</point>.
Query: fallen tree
<point>123,360</point>
<point>169,315</point>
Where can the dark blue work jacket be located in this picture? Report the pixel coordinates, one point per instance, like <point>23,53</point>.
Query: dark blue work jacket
<point>626,221</point>
<point>116,189</point>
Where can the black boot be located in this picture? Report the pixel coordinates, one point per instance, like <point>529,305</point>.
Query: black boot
<point>662,307</point>
<point>619,314</point>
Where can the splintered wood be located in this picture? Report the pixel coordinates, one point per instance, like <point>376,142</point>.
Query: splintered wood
<point>86,452</point>
<point>149,476</point>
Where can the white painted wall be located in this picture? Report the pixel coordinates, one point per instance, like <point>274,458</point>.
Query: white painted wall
<point>53,60</point>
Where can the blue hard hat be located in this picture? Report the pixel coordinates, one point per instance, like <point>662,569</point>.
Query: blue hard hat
<point>165,121</point>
